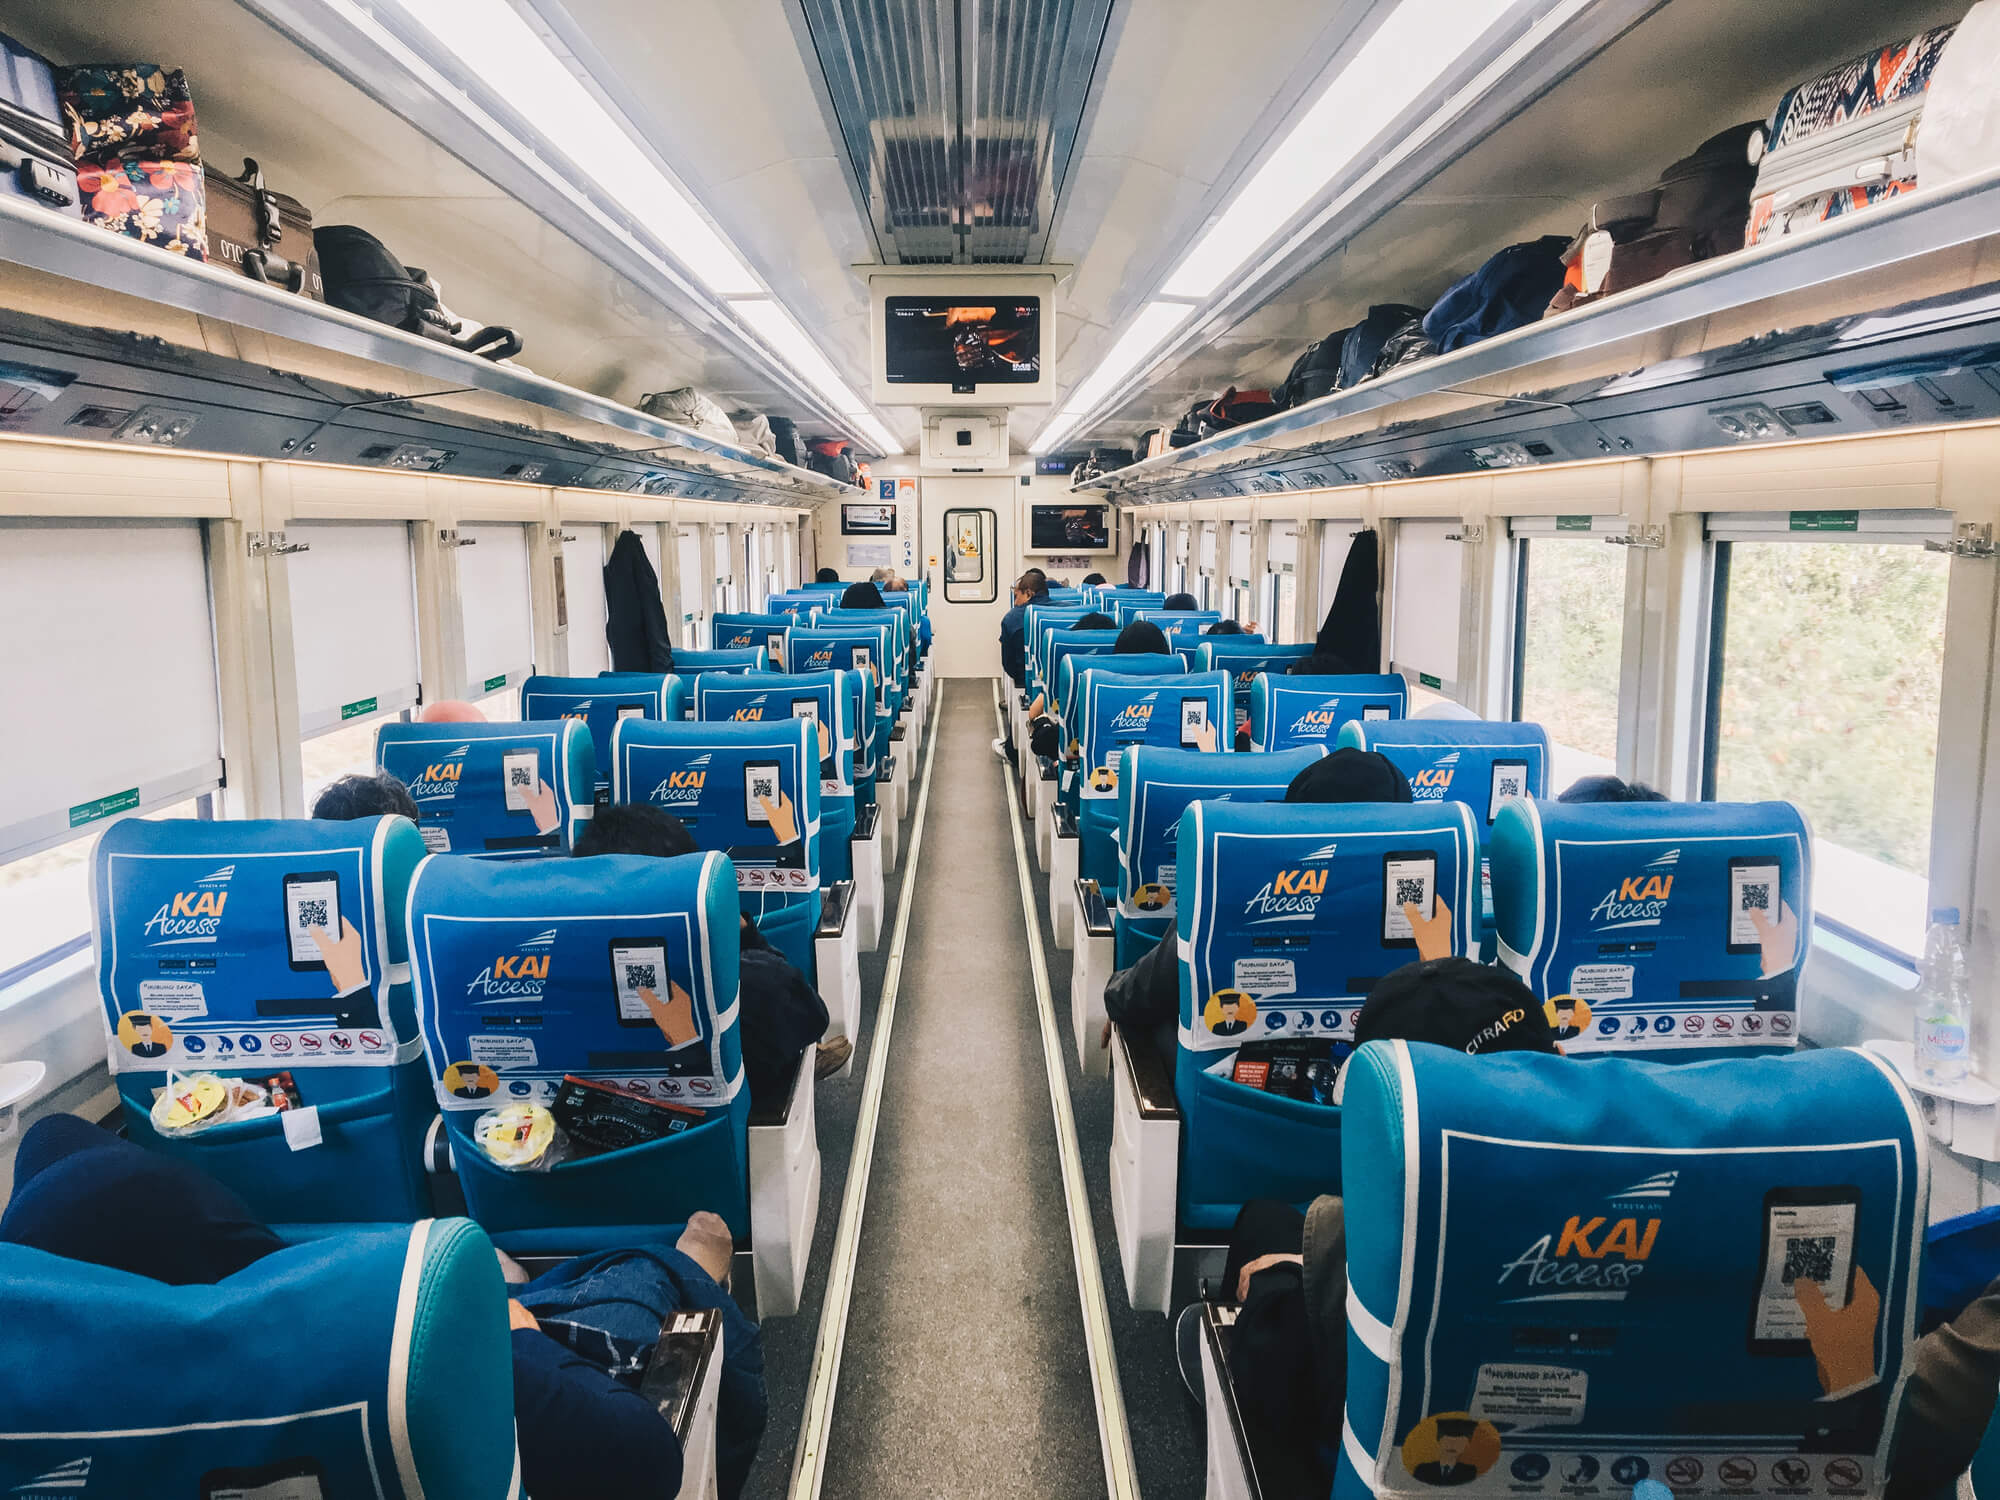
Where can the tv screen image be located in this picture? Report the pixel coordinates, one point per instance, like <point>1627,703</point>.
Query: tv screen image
<point>960,340</point>
<point>1069,528</point>
<point>867,520</point>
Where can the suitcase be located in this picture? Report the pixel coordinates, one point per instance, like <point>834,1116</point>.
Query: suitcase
<point>1961,134</point>
<point>264,234</point>
<point>1843,141</point>
<point>157,203</point>
<point>128,109</point>
<point>35,162</point>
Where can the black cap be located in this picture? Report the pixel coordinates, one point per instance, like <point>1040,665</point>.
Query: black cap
<point>1140,638</point>
<point>1456,1003</point>
<point>1456,1427</point>
<point>1350,775</point>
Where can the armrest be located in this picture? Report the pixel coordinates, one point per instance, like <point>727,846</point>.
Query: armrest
<point>1090,905</point>
<point>1047,767</point>
<point>896,734</point>
<point>437,1150</point>
<point>885,768</point>
<point>866,816</point>
<point>836,902</point>
<point>773,1113</point>
<point>1065,822</point>
<point>689,1343</point>
<point>1218,1330</point>
<point>1151,1079</point>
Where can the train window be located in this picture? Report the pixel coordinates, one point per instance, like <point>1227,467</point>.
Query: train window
<point>1569,637</point>
<point>1278,604</point>
<point>688,558</point>
<point>354,665</point>
<point>1424,599</point>
<point>583,591</point>
<point>344,750</point>
<point>969,564</point>
<point>493,590</point>
<point>1209,590</point>
<point>1826,669</point>
<point>755,584</point>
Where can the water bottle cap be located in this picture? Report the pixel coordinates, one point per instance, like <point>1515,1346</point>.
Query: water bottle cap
<point>1651,1489</point>
<point>1948,915</point>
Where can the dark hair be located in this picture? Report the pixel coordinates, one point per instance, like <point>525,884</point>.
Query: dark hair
<point>1320,664</point>
<point>372,794</point>
<point>1141,638</point>
<point>1097,619</point>
<point>827,575</point>
<point>1225,627</point>
<point>862,596</point>
<point>1180,601</point>
<point>1350,775</point>
<point>633,828</point>
<point>1090,578</point>
<point>1609,789</point>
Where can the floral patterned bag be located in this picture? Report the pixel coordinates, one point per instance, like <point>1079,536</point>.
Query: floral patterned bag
<point>128,109</point>
<point>159,203</point>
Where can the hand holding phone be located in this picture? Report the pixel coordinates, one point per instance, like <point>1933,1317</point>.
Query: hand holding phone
<point>1409,880</point>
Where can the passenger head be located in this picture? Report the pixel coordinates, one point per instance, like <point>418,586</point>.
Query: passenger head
<point>1095,620</point>
<point>1141,638</point>
<point>1350,775</point>
<point>1029,585</point>
<point>633,828</point>
<point>1092,578</point>
<point>452,711</point>
<point>897,584</point>
<point>1456,1003</point>
<point>1320,664</point>
<point>1225,627</point>
<point>374,795</point>
<point>862,596</point>
<point>1180,601</point>
<point>1609,789</point>
<point>882,576</point>
<point>827,575</point>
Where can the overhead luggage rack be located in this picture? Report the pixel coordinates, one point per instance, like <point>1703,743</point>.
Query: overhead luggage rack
<point>183,355</point>
<point>1879,321</point>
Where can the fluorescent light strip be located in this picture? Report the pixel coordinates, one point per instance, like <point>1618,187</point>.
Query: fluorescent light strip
<point>1141,337</point>
<point>871,428</point>
<point>1054,433</point>
<point>1414,47</point>
<point>782,334</point>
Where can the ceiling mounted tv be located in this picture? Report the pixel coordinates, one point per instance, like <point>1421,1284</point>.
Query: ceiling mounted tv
<point>962,342</point>
<point>1069,528</point>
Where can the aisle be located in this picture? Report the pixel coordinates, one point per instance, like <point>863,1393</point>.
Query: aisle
<point>964,1372</point>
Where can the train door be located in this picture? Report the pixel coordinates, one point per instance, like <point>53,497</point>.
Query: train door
<point>972,550</point>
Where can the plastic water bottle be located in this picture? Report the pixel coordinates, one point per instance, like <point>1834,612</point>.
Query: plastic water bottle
<point>1943,1036</point>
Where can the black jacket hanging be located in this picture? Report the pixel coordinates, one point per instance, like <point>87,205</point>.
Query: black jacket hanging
<point>1353,626</point>
<point>636,629</point>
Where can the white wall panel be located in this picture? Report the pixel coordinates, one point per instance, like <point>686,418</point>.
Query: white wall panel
<point>493,583</point>
<point>1425,597</point>
<point>354,620</point>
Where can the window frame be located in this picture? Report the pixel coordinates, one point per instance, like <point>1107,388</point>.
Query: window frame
<point>989,577</point>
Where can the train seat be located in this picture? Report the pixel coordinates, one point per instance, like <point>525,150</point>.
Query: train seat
<point>1674,929</point>
<point>866,643</point>
<point>206,962</point>
<point>1244,658</point>
<point>1287,916</point>
<point>735,632</point>
<point>527,974</point>
<point>1296,710</point>
<point>475,784</point>
<point>1124,605</point>
<point>861,652</point>
<point>1551,1264</point>
<point>601,702</point>
<point>690,663</point>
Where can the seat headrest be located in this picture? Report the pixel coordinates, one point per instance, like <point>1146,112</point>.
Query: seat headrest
<point>1472,761</point>
<point>527,972</point>
<point>1554,1265</point>
<point>206,958</point>
<point>1291,912</point>
<point>371,1362</point>
<point>1243,657</point>
<point>1126,605</point>
<point>1070,669</point>
<point>1155,786</point>
<point>1662,923</point>
<point>739,632</point>
<point>849,648</point>
<point>474,784</point>
<point>730,783</point>
<point>1289,710</point>
<point>600,702</point>
<point>798,608</point>
<point>742,659</point>
<point>823,697</point>
<point>1121,709</point>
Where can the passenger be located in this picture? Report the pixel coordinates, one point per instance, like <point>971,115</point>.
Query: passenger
<point>583,1428</point>
<point>862,596</point>
<point>1225,627</point>
<point>451,711</point>
<point>1044,736</point>
<point>1093,580</point>
<point>1030,588</point>
<point>371,794</point>
<point>1180,601</point>
<point>882,578</point>
<point>1609,789</point>
<point>1322,663</point>
<point>827,575</point>
<point>782,1015</point>
<point>1146,998</point>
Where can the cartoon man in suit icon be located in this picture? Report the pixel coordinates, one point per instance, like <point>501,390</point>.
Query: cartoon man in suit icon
<point>1454,1434</point>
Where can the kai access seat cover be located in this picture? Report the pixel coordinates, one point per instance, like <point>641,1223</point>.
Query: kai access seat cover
<point>853,646</point>
<point>1124,606</point>
<point>1070,667</point>
<point>525,973</point>
<point>1037,622</point>
<point>735,632</point>
<point>826,700</point>
<point>1156,785</point>
<point>1563,1275</point>
<point>1243,659</point>
<point>601,702</point>
<point>1293,710</point>
<point>1120,710</point>
<point>1472,761</point>
<point>740,659</point>
<point>373,1362</point>
<point>899,631</point>
<point>799,608</point>
<point>475,784</point>
<point>1183,628</point>
<point>1657,926</point>
<point>205,947</point>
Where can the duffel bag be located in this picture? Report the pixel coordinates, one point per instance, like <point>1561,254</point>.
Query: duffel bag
<point>1511,290</point>
<point>1364,341</point>
<point>362,276</point>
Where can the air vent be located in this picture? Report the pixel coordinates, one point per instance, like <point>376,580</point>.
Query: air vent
<point>100,418</point>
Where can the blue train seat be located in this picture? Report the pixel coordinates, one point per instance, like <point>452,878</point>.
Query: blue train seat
<point>756,697</point>
<point>398,1383</point>
<point>475,786</point>
<point>1657,927</point>
<point>716,778</point>
<point>1556,1270</point>
<point>207,962</point>
<point>1244,657</point>
<point>1183,628</point>
<point>601,702</point>
<point>688,661</point>
<point>1036,623</point>
<point>1125,605</point>
<point>801,608</point>
<point>1297,710</point>
<point>859,653</point>
<point>901,663</point>
<point>1472,761</point>
<point>735,632</point>
<point>1118,710</point>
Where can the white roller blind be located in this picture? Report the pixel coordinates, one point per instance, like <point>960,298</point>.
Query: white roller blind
<point>1281,547</point>
<point>1425,596</point>
<point>1208,548</point>
<point>110,657</point>
<point>1239,551</point>
<point>493,585</point>
<point>354,621</point>
<point>649,542</point>
<point>583,583</point>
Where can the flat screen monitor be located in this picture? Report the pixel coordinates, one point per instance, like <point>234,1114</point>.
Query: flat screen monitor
<point>867,520</point>
<point>1069,528</point>
<point>964,342</point>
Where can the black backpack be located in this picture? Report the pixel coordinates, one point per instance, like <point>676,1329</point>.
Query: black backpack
<point>785,433</point>
<point>361,276</point>
<point>834,458</point>
<point>1364,341</point>
<point>1314,373</point>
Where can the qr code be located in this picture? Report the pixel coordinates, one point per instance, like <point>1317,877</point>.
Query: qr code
<point>1409,892</point>
<point>1808,1258</point>
<point>520,775</point>
<point>1757,897</point>
<point>313,913</point>
<point>642,977</point>
<point>1510,786</point>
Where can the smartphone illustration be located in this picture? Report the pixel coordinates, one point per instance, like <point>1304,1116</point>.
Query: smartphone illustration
<point>1408,875</point>
<point>631,711</point>
<point>1194,719</point>
<point>806,708</point>
<point>760,784</point>
<point>1510,779</point>
<point>859,659</point>
<point>1808,1236</point>
<point>287,1479</point>
<point>1753,887</point>
<point>637,964</point>
<point>519,770</point>
<point>1373,712</point>
<point>312,899</point>
<point>775,644</point>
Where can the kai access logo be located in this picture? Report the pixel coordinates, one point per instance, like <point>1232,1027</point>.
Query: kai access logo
<point>682,788</point>
<point>1317,722</point>
<point>1434,780</point>
<point>193,915</point>
<point>1293,895</point>
<point>752,711</point>
<point>1638,900</point>
<point>439,779</point>
<point>64,1480</point>
<point>1134,718</point>
<point>1594,1257</point>
<point>512,978</point>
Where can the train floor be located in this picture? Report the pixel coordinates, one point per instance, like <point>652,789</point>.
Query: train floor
<point>961,1367</point>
